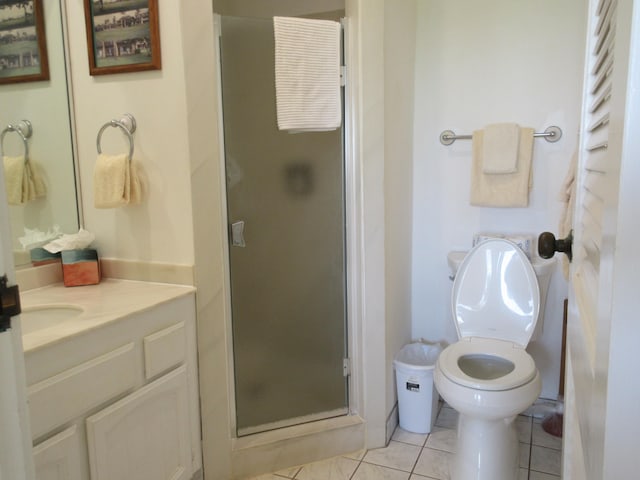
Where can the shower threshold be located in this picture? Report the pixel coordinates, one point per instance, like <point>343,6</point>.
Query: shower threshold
<point>292,421</point>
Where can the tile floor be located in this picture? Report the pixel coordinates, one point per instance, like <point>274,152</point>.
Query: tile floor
<point>411,456</point>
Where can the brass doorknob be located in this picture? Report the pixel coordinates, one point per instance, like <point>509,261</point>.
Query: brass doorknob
<point>548,245</point>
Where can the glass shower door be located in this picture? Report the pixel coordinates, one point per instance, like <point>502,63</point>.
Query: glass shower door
<point>285,197</point>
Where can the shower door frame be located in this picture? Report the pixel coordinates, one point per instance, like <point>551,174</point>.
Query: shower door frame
<point>352,240</point>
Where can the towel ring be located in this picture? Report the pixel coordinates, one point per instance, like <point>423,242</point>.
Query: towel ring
<point>24,129</point>
<point>127,124</point>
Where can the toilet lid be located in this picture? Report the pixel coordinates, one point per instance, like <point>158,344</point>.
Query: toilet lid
<point>495,293</point>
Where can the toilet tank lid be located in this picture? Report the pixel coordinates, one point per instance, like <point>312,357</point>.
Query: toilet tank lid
<point>454,259</point>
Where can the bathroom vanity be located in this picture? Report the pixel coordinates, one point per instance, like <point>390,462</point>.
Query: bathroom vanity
<point>112,381</point>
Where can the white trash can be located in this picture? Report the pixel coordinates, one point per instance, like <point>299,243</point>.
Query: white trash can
<point>417,396</point>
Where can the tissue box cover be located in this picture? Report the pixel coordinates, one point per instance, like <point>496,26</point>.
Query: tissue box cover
<point>80,267</point>
<point>39,256</point>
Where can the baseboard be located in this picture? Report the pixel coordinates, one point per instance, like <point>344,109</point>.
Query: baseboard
<point>35,277</point>
<point>392,423</point>
<point>288,447</point>
<point>147,271</point>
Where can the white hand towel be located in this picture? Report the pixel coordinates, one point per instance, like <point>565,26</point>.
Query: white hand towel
<point>111,181</point>
<point>116,181</point>
<point>33,184</point>
<point>500,148</point>
<point>507,190</point>
<point>14,178</point>
<point>135,192</point>
<point>307,70</point>
<point>28,187</point>
<point>38,179</point>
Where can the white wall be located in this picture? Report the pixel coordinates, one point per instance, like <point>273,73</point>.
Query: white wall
<point>399,59</point>
<point>160,229</point>
<point>478,63</point>
<point>368,86</point>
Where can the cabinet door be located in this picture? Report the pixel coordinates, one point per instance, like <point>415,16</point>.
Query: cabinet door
<point>58,457</point>
<point>144,436</point>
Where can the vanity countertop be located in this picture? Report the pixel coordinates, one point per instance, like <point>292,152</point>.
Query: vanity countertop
<point>110,300</point>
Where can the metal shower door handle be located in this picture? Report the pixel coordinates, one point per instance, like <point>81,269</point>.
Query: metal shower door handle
<point>237,234</point>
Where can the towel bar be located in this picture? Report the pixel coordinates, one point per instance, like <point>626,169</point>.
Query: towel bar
<point>127,124</point>
<point>24,129</point>
<point>551,134</point>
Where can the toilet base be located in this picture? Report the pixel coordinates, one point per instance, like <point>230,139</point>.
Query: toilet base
<point>486,449</point>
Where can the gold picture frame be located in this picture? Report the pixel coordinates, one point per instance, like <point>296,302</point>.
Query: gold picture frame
<point>122,36</point>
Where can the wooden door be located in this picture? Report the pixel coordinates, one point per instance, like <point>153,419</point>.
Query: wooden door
<point>602,386</point>
<point>15,439</point>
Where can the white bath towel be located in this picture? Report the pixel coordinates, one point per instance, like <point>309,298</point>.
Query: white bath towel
<point>500,148</point>
<point>14,178</point>
<point>307,71</point>
<point>135,192</point>
<point>115,182</point>
<point>33,183</point>
<point>504,190</point>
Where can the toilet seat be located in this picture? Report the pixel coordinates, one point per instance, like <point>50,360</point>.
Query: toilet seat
<point>524,368</point>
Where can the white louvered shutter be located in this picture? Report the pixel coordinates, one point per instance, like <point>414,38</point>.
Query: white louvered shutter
<point>594,163</point>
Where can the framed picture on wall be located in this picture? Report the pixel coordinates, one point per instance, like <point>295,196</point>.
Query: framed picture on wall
<point>122,36</point>
<point>23,45</point>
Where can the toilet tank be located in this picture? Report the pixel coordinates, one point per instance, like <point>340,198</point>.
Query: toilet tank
<point>544,270</point>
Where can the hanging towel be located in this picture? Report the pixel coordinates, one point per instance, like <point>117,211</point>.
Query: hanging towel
<point>14,178</point>
<point>500,148</point>
<point>503,190</point>
<point>307,71</point>
<point>111,181</point>
<point>135,192</point>
<point>116,181</point>
<point>33,184</point>
<point>23,180</point>
<point>28,187</point>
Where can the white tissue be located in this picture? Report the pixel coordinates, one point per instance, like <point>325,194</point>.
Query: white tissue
<point>79,240</point>
<point>36,238</point>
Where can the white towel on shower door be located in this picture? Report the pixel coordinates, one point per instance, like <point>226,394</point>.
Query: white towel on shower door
<point>307,70</point>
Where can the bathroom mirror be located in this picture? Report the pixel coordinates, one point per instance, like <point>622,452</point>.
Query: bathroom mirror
<point>47,106</point>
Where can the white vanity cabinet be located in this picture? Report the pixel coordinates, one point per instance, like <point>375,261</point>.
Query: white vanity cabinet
<point>145,435</point>
<point>119,401</point>
<point>58,458</point>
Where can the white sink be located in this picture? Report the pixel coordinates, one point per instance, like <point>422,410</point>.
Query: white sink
<point>44,316</point>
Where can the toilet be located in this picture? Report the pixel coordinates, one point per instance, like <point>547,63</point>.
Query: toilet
<point>487,376</point>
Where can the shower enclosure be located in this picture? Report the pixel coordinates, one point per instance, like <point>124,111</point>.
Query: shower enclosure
<point>285,201</point>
